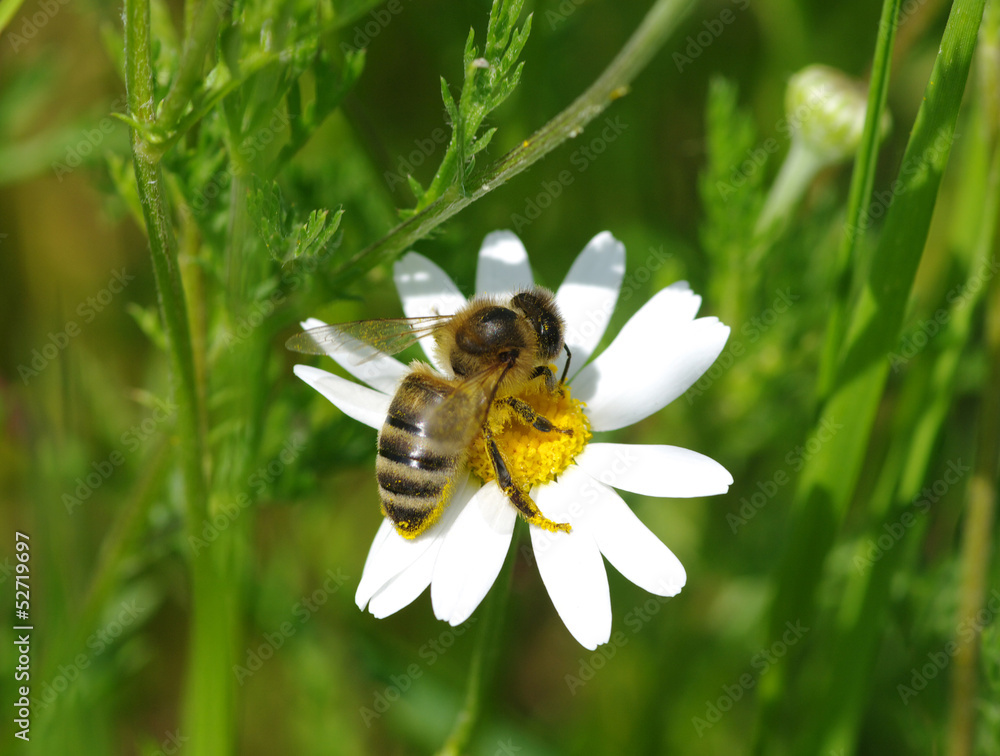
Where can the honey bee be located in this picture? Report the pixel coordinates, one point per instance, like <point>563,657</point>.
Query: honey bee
<point>492,348</point>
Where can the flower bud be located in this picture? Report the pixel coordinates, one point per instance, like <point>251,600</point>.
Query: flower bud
<point>826,110</point>
<point>825,116</point>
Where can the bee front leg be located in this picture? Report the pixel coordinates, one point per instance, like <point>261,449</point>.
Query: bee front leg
<point>543,371</point>
<point>515,495</point>
<point>527,413</point>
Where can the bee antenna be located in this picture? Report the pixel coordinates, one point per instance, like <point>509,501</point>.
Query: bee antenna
<point>569,356</point>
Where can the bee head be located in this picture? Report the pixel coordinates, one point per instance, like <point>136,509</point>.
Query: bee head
<point>539,308</point>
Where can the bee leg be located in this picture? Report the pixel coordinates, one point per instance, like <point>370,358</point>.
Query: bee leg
<point>517,497</point>
<point>550,378</point>
<point>542,371</point>
<point>527,413</point>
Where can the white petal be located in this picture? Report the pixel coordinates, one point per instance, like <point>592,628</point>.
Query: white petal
<point>359,402</point>
<point>631,547</point>
<point>571,566</point>
<point>407,586</point>
<point>656,470</point>
<point>388,556</point>
<point>503,265</point>
<point>588,295</point>
<point>425,290</point>
<point>366,586</point>
<point>378,370</point>
<point>656,358</point>
<point>472,555</point>
<point>391,554</point>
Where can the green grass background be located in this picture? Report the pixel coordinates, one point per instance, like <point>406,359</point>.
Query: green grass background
<point>838,598</point>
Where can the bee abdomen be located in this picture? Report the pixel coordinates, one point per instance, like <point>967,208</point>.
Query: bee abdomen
<point>415,469</point>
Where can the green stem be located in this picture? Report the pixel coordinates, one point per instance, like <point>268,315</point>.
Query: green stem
<point>170,291</point>
<point>797,172</point>
<point>209,714</point>
<point>611,85</point>
<point>862,181</point>
<point>483,656</point>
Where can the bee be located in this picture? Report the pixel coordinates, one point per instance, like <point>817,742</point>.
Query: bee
<point>491,347</point>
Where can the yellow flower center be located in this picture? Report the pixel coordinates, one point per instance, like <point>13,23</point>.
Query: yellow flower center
<point>533,456</point>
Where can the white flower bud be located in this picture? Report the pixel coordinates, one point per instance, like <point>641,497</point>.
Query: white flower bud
<point>826,110</point>
<point>825,114</point>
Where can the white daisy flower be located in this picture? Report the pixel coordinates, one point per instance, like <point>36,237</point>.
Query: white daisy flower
<point>660,352</point>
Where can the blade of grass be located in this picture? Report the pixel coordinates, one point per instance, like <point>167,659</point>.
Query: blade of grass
<point>7,10</point>
<point>862,181</point>
<point>829,477</point>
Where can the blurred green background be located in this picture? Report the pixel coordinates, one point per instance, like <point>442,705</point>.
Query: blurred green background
<point>248,641</point>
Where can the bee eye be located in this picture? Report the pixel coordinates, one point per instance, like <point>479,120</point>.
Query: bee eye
<point>541,312</point>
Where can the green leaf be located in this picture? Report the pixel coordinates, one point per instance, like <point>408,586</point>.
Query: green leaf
<point>311,238</point>
<point>285,240</point>
<point>488,82</point>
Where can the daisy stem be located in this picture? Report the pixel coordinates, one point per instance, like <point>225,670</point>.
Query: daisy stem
<point>484,655</point>
<point>209,698</point>
<point>611,85</point>
<point>163,251</point>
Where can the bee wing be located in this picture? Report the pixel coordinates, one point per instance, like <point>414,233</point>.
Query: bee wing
<point>463,412</point>
<point>388,335</point>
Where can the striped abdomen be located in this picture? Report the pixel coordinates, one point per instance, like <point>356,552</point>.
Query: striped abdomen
<point>420,448</point>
